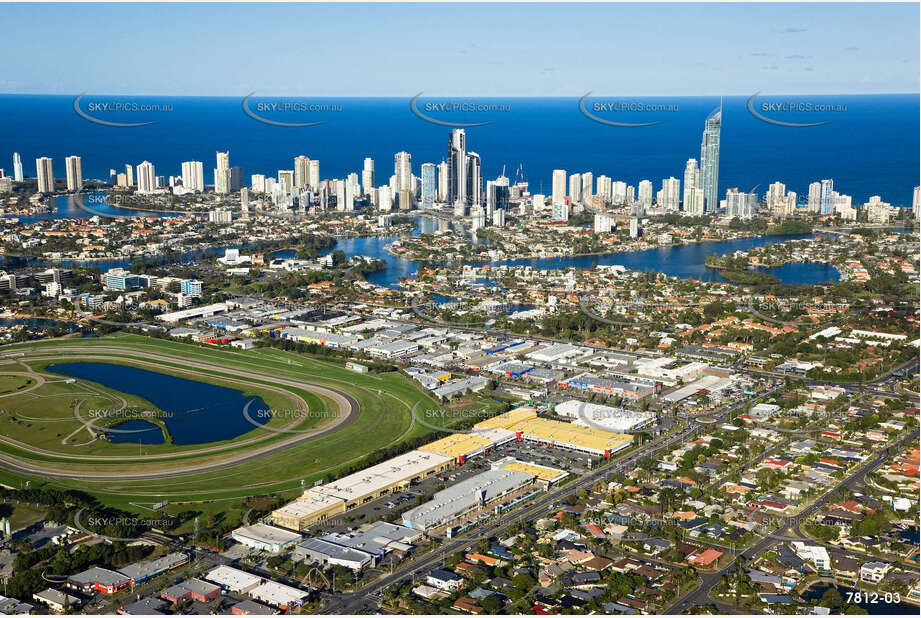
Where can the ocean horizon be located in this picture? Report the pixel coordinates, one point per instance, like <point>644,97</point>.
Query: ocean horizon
<point>869,144</point>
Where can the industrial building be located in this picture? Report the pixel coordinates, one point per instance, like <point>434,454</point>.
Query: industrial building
<point>321,502</point>
<point>706,384</point>
<point>326,553</point>
<point>278,595</point>
<point>627,386</point>
<point>469,497</point>
<point>233,579</point>
<point>527,426</point>
<point>604,417</point>
<point>462,446</point>
<point>142,571</point>
<point>99,579</point>
<point>546,474</point>
<point>265,538</point>
<point>359,550</point>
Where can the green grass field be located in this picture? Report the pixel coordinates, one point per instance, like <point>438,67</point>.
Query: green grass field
<point>386,401</point>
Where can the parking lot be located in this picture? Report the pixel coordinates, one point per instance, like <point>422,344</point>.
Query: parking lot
<point>391,506</point>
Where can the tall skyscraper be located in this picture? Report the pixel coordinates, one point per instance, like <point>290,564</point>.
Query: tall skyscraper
<point>221,181</point>
<point>313,175</point>
<point>244,202</point>
<point>710,159</point>
<point>301,171</point>
<point>474,179</point>
<point>575,188</point>
<point>813,198</point>
<point>605,188</point>
<point>222,173</point>
<point>669,196</point>
<point>403,170</point>
<point>384,198</point>
<point>428,185</point>
<point>236,178</point>
<point>916,200</point>
<point>588,181</point>
<point>741,205</point>
<point>367,175</point>
<point>193,176</point>
<point>694,201</point>
<point>45,173</point>
<point>503,194</point>
<point>286,180</point>
<point>17,167</point>
<point>558,190</point>
<point>620,193</point>
<point>826,188</point>
<point>691,181</point>
<point>129,175</point>
<point>443,181</point>
<point>644,193</point>
<point>74,171</point>
<point>457,167</point>
<point>147,177</point>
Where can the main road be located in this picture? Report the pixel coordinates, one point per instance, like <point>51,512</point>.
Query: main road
<point>355,602</point>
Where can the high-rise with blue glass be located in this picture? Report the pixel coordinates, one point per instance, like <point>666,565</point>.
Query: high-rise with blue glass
<point>710,159</point>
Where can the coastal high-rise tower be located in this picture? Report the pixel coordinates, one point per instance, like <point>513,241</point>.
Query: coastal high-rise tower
<point>558,191</point>
<point>17,167</point>
<point>474,179</point>
<point>403,170</point>
<point>45,175</point>
<point>74,169</point>
<point>428,186</point>
<point>193,176</point>
<point>367,175</point>
<point>710,159</point>
<point>147,177</point>
<point>301,172</point>
<point>222,173</point>
<point>457,168</point>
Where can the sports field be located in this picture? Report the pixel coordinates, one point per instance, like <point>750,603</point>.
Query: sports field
<point>41,431</point>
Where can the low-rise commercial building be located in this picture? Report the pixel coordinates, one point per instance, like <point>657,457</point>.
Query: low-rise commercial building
<point>472,495</point>
<point>320,503</point>
<point>265,538</point>
<point>279,595</point>
<point>56,600</point>
<point>604,417</point>
<point>142,571</point>
<point>233,579</point>
<point>100,580</point>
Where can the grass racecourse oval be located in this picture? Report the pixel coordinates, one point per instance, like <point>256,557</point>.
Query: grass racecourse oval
<point>340,416</point>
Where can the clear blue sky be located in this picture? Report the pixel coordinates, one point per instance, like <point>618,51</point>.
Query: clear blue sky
<point>459,49</point>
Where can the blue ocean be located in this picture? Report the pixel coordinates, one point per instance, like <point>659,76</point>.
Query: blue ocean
<point>868,146</point>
